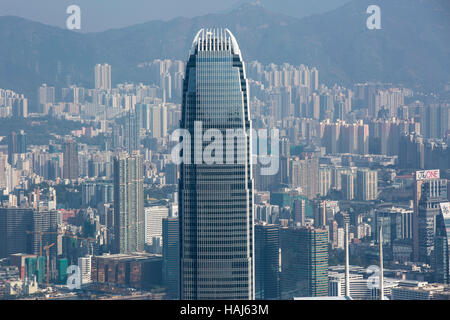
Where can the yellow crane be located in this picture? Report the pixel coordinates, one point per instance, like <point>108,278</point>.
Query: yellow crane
<point>41,233</point>
<point>89,240</point>
<point>47,248</point>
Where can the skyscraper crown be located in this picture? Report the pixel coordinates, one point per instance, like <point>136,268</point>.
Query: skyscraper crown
<point>216,39</point>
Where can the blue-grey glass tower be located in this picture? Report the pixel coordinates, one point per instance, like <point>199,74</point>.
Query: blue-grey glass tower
<point>216,200</point>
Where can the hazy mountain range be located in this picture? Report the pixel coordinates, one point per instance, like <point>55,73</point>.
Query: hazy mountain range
<point>296,8</point>
<point>413,46</point>
<point>101,15</point>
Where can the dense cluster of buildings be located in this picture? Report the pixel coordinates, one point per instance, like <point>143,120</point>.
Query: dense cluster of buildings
<point>109,200</point>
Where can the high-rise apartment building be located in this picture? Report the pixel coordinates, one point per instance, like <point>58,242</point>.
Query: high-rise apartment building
<point>20,107</point>
<point>216,200</point>
<point>129,232</point>
<point>153,225</point>
<point>305,174</point>
<point>70,164</point>
<point>85,264</point>
<point>366,184</point>
<point>103,77</point>
<point>17,144</point>
<point>348,186</point>
<point>46,94</point>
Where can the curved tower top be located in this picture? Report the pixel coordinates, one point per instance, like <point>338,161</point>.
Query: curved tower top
<point>215,39</point>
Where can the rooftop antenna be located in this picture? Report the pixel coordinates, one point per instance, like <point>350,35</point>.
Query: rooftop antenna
<point>381,264</point>
<point>347,265</point>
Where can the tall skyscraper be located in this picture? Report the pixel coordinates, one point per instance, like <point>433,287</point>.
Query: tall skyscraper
<point>103,77</point>
<point>441,245</point>
<point>129,230</point>
<point>132,135</point>
<point>171,256</point>
<point>216,200</point>
<point>267,262</point>
<point>429,193</point>
<point>304,262</point>
<point>70,164</point>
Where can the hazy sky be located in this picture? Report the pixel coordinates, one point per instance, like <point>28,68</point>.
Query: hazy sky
<point>99,15</point>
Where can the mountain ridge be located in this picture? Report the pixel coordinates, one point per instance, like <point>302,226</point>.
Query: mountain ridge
<point>406,50</point>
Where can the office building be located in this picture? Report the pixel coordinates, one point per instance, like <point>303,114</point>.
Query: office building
<point>441,244</point>
<point>428,194</point>
<point>132,135</point>
<point>171,257</point>
<point>267,262</point>
<point>304,262</point>
<point>299,212</point>
<point>20,230</point>
<point>216,200</point>
<point>397,224</point>
<point>14,224</point>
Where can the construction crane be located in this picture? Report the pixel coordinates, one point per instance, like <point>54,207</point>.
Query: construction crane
<point>89,243</point>
<point>41,233</point>
<point>47,248</point>
<point>89,240</point>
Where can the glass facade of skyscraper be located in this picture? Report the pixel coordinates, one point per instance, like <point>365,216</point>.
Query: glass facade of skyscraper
<point>216,200</point>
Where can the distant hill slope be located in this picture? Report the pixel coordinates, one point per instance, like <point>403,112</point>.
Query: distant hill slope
<point>413,46</point>
<point>297,8</point>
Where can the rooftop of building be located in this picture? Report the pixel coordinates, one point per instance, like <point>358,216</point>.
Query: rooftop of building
<point>215,39</point>
<point>130,256</point>
<point>323,298</point>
